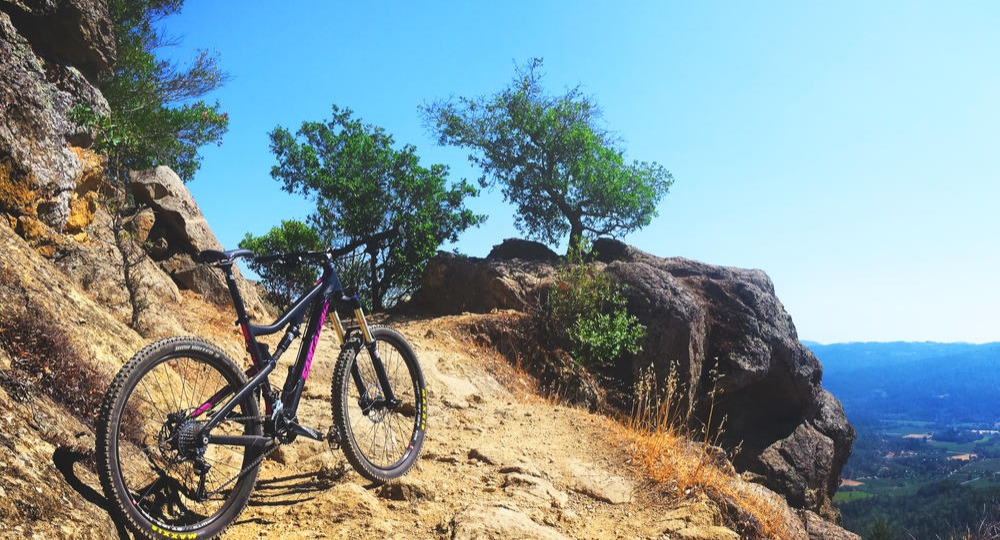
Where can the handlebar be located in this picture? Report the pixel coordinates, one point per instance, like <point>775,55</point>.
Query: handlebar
<point>215,257</point>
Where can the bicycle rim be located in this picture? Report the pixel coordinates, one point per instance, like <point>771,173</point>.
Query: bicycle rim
<point>381,442</point>
<point>161,407</point>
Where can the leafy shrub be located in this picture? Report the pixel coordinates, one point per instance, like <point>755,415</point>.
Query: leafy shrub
<point>586,314</point>
<point>284,283</point>
<point>156,114</point>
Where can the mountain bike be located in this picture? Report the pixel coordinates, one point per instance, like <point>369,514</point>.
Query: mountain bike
<point>180,435</point>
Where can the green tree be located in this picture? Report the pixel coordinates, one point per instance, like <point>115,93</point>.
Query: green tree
<point>880,530</point>
<point>553,160</point>
<point>373,196</point>
<point>156,114</point>
<point>284,283</point>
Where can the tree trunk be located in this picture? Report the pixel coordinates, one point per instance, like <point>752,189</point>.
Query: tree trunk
<point>376,285</point>
<point>575,235</point>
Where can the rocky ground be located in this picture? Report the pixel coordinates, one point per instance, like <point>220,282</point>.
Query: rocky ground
<point>496,463</point>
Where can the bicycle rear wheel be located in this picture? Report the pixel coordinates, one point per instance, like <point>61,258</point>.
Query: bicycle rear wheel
<point>381,440</point>
<point>159,476</point>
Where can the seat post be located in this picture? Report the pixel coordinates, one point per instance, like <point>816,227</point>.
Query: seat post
<point>234,292</point>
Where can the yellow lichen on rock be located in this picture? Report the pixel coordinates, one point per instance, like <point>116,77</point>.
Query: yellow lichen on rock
<point>81,212</point>
<point>83,203</point>
<point>92,170</point>
<point>16,196</point>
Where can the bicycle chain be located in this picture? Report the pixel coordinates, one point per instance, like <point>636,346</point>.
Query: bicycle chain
<point>245,470</point>
<point>260,459</point>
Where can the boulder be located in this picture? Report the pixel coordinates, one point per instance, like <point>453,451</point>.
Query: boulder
<point>453,284</point>
<point>38,171</point>
<point>513,248</point>
<point>178,217</point>
<point>180,232</point>
<point>721,331</point>
<point>724,328</point>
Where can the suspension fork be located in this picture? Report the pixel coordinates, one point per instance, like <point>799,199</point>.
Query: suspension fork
<point>389,396</point>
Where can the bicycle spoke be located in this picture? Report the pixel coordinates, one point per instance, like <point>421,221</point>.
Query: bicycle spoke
<point>160,467</point>
<point>381,438</point>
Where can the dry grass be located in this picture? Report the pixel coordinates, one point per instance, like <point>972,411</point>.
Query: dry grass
<point>685,463</point>
<point>45,361</point>
<point>988,528</point>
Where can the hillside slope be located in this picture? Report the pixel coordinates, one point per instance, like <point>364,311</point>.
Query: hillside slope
<point>492,459</point>
<point>497,463</point>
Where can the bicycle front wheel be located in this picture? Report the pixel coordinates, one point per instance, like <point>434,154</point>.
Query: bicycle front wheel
<point>381,438</point>
<point>160,476</point>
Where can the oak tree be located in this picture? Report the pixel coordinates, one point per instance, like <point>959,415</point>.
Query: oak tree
<point>552,159</point>
<point>375,196</point>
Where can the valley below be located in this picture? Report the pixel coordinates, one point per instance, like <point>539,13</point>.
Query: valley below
<point>926,462</point>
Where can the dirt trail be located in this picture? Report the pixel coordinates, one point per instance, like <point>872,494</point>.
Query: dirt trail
<point>493,466</point>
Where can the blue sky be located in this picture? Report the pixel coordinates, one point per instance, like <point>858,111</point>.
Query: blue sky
<point>849,149</point>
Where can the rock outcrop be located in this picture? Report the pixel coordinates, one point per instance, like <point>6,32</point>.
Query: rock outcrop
<point>41,81</point>
<point>507,280</point>
<point>526,250</point>
<point>72,32</point>
<point>703,318</point>
<point>711,326</point>
<point>177,231</point>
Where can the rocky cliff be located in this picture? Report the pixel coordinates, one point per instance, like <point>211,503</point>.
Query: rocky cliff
<point>701,320</point>
<point>51,54</point>
<point>50,183</point>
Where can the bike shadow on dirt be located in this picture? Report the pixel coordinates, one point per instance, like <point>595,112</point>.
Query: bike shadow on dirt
<point>64,458</point>
<point>284,491</point>
<point>289,490</point>
<point>278,491</point>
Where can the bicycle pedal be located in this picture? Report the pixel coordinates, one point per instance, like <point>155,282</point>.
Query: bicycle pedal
<point>305,432</point>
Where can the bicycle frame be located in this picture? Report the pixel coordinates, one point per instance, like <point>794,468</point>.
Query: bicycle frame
<point>281,408</point>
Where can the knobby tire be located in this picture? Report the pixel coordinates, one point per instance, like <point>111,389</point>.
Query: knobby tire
<point>146,479</point>
<point>381,444</point>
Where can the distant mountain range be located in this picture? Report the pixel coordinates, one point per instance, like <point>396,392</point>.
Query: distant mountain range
<point>920,381</point>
